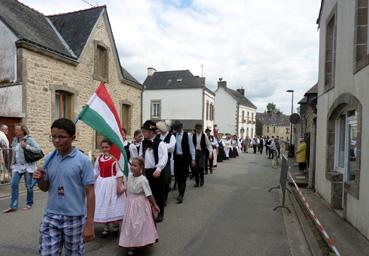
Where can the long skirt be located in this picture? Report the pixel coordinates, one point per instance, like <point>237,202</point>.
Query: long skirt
<point>109,207</point>
<point>138,227</point>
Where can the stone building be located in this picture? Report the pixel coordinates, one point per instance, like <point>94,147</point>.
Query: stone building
<point>235,113</point>
<point>269,124</point>
<point>307,129</point>
<point>178,95</point>
<point>342,176</point>
<point>53,64</point>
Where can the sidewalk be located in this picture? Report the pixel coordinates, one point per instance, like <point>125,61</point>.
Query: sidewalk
<point>348,240</point>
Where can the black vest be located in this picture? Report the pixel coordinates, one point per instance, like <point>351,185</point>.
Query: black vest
<point>202,142</point>
<point>155,147</point>
<point>185,145</point>
<point>128,153</point>
<point>167,140</point>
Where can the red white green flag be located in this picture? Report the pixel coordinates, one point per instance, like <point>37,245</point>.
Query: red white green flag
<point>100,114</point>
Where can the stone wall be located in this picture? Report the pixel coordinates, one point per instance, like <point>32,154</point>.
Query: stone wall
<point>42,75</point>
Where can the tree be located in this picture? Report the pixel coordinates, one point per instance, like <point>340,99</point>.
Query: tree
<point>272,109</point>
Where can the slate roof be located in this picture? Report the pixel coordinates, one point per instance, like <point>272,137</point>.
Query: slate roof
<point>273,119</point>
<point>176,79</point>
<point>76,27</point>
<point>65,34</point>
<point>31,26</point>
<point>313,90</point>
<point>241,99</point>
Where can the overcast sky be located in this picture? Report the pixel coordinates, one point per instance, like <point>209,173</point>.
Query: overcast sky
<point>265,46</point>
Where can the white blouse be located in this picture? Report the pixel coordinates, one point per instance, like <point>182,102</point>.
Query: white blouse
<point>138,185</point>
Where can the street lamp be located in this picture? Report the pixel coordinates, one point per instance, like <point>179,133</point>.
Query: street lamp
<point>290,148</point>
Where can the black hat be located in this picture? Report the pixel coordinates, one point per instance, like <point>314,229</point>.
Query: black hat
<point>177,125</point>
<point>149,125</point>
<point>207,130</point>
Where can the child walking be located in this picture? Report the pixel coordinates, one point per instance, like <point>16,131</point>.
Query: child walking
<point>109,191</point>
<point>138,227</point>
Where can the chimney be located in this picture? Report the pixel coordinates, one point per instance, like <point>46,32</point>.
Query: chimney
<point>242,91</point>
<point>202,80</point>
<point>222,83</point>
<point>150,71</point>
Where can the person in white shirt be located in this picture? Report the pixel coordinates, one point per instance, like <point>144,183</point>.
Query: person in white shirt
<point>4,147</point>
<point>170,141</point>
<point>155,153</point>
<point>184,154</point>
<point>201,143</point>
<point>134,147</point>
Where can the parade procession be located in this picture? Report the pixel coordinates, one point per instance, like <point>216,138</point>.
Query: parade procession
<point>184,128</point>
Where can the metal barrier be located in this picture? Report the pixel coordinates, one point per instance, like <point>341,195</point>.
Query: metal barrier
<point>282,183</point>
<point>5,164</point>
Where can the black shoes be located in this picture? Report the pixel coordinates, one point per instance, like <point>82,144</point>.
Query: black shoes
<point>201,183</point>
<point>179,199</point>
<point>159,218</point>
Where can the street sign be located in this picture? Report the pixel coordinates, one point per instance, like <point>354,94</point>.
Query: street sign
<point>295,118</point>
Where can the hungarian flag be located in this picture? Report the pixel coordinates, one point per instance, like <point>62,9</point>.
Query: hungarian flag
<point>101,115</point>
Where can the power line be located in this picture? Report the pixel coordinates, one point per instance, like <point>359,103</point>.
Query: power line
<point>86,2</point>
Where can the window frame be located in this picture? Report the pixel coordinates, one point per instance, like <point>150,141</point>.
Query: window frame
<point>152,103</point>
<point>331,84</point>
<point>97,76</point>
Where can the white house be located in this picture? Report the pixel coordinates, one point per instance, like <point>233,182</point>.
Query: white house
<point>235,113</point>
<point>342,176</point>
<point>177,95</point>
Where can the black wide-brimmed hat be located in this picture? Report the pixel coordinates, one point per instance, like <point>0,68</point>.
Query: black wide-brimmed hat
<point>198,125</point>
<point>149,125</point>
<point>207,130</point>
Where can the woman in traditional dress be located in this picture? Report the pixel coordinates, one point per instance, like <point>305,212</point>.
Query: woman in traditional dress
<point>109,189</point>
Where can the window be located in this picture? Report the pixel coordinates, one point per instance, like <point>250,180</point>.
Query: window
<point>330,53</point>
<point>361,35</point>
<point>248,116</point>
<point>126,118</point>
<point>273,129</point>
<point>341,138</point>
<point>211,112</point>
<point>155,109</point>
<point>243,116</point>
<point>252,117</point>
<point>63,105</point>
<point>101,70</point>
<point>267,129</point>
<point>207,110</point>
<point>247,131</point>
<point>287,130</point>
<point>252,132</point>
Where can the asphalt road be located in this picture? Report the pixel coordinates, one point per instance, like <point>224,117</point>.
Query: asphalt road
<point>231,215</point>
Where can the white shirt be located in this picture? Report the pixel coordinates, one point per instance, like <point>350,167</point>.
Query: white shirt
<point>138,185</point>
<point>133,149</point>
<point>172,143</point>
<point>207,142</point>
<point>150,159</point>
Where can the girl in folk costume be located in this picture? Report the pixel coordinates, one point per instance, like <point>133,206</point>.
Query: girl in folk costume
<point>109,190</point>
<point>138,227</point>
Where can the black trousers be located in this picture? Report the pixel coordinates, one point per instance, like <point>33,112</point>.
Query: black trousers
<point>208,163</point>
<point>157,187</point>
<point>199,168</point>
<point>261,149</point>
<point>181,169</point>
<point>166,179</point>
<point>255,148</point>
<point>271,153</point>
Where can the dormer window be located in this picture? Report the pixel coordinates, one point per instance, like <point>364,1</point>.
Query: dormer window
<point>179,80</point>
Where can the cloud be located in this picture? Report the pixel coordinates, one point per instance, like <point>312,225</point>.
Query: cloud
<point>266,46</point>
